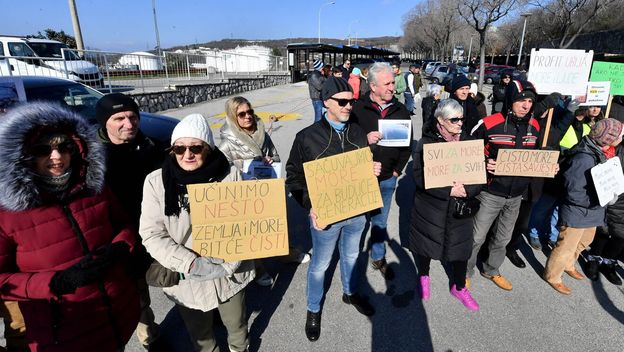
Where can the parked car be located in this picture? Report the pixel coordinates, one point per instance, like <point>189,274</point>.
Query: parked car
<point>82,99</point>
<point>492,73</point>
<point>43,57</point>
<point>430,67</point>
<point>438,74</point>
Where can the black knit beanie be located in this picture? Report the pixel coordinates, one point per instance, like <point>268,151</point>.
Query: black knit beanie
<point>113,103</point>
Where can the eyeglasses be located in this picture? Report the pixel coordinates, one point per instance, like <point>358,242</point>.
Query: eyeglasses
<point>456,120</point>
<point>181,149</point>
<point>343,102</point>
<point>243,114</point>
<point>40,150</point>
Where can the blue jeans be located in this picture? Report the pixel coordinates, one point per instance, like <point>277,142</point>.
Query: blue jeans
<point>379,219</point>
<point>409,101</point>
<point>317,104</point>
<point>347,234</point>
<point>544,213</point>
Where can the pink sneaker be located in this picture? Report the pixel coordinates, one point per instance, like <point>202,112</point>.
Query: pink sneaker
<point>465,298</point>
<point>425,293</point>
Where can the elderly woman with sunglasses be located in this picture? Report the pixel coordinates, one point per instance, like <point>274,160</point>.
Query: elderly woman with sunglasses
<point>206,283</point>
<point>243,137</point>
<point>437,231</point>
<point>64,240</point>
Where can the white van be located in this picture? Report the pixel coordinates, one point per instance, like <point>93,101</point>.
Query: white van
<point>42,57</point>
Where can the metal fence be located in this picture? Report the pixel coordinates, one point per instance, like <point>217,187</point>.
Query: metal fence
<point>111,71</point>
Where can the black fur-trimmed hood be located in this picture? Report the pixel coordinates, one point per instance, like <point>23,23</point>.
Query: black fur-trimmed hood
<point>18,190</point>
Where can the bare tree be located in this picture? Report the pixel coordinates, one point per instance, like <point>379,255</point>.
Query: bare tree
<point>481,14</point>
<point>561,21</point>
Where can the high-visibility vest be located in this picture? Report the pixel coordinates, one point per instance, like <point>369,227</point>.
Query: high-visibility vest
<point>569,140</point>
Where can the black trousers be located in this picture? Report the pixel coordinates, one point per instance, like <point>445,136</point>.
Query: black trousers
<point>458,270</point>
<point>605,245</point>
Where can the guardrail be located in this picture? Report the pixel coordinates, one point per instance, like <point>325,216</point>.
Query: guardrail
<point>113,71</point>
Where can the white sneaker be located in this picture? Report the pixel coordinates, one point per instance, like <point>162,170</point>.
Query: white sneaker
<point>303,258</point>
<point>264,280</point>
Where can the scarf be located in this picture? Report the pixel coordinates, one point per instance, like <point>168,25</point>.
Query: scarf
<point>449,137</point>
<point>55,185</point>
<point>175,179</point>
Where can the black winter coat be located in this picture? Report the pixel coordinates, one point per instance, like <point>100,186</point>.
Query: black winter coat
<point>429,105</point>
<point>615,212</point>
<point>434,232</point>
<point>471,114</point>
<point>318,141</point>
<point>367,115</point>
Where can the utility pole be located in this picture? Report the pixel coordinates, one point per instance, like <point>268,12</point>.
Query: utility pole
<point>76,24</point>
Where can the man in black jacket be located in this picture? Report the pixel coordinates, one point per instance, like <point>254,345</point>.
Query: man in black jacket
<point>460,91</point>
<point>333,134</point>
<point>501,198</point>
<point>381,104</point>
<point>130,156</point>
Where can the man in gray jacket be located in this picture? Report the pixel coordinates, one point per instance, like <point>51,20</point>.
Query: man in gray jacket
<point>315,83</point>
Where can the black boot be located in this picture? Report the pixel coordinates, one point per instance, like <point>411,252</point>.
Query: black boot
<point>360,303</point>
<point>515,259</point>
<point>592,270</point>
<point>608,270</point>
<point>313,326</point>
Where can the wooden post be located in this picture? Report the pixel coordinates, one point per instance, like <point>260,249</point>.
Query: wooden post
<point>547,130</point>
<point>608,106</point>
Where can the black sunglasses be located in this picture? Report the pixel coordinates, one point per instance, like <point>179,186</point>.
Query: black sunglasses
<point>40,150</point>
<point>243,114</point>
<point>343,102</point>
<point>456,120</point>
<point>181,149</point>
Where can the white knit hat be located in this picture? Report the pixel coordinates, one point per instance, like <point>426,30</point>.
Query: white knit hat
<point>195,126</point>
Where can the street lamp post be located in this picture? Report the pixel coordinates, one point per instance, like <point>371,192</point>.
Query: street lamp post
<point>470,50</point>
<point>319,18</point>
<point>525,15</point>
<point>156,29</point>
<point>350,23</point>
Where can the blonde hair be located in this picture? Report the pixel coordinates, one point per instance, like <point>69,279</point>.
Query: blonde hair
<point>231,106</point>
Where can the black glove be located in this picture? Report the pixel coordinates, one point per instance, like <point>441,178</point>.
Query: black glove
<point>113,252</point>
<point>548,102</point>
<point>85,272</point>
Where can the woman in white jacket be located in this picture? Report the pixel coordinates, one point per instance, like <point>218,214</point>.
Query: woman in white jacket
<point>165,227</point>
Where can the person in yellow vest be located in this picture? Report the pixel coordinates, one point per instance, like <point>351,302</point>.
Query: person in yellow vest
<point>579,127</point>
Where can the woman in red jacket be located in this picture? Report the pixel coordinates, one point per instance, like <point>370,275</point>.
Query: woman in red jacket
<point>63,240</point>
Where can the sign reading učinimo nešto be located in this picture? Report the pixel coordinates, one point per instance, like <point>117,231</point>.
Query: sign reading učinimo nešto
<point>239,220</point>
<point>342,186</point>
<point>445,163</point>
<point>526,162</point>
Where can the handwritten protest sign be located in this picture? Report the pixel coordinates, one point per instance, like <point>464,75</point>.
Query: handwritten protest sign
<point>342,186</point>
<point>453,161</point>
<point>597,94</point>
<point>608,180</point>
<point>560,70</point>
<point>609,71</point>
<point>526,162</point>
<point>239,220</point>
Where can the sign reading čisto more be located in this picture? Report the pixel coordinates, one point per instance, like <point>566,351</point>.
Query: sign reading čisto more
<point>445,163</point>
<point>239,220</point>
<point>342,186</point>
<point>526,162</point>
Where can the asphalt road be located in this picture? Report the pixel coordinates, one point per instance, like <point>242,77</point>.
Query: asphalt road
<point>532,317</point>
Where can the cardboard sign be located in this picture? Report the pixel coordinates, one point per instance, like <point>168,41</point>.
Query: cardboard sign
<point>560,70</point>
<point>526,162</point>
<point>608,180</point>
<point>454,161</point>
<point>239,220</point>
<point>342,186</point>
<point>597,94</point>
<point>609,71</point>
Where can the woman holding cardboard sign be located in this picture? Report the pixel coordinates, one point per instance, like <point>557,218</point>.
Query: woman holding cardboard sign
<point>206,283</point>
<point>243,137</point>
<point>441,226</point>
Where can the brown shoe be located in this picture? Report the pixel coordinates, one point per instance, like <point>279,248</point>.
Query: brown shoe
<point>467,282</point>
<point>575,274</point>
<point>499,280</point>
<point>561,288</point>
<point>383,267</point>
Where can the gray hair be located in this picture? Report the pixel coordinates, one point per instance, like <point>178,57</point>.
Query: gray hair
<point>378,68</point>
<point>448,108</point>
<point>433,89</point>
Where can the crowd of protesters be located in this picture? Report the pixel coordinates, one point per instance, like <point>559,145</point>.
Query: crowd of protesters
<point>85,213</point>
